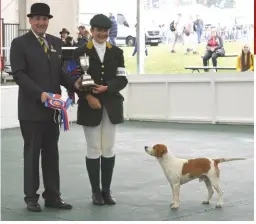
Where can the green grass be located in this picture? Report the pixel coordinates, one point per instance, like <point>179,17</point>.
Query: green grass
<point>161,61</point>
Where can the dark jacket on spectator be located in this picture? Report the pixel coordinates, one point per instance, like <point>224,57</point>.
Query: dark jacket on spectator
<point>82,41</point>
<point>199,24</point>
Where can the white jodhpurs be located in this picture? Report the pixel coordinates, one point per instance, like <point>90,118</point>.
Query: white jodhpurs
<point>100,139</point>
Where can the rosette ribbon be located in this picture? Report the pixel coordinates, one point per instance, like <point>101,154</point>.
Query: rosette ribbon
<point>58,103</point>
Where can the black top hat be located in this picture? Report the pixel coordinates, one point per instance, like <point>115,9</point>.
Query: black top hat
<point>64,30</point>
<point>101,21</point>
<point>40,9</point>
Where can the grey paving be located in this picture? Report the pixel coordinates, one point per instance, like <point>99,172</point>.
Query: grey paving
<point>139,185</point>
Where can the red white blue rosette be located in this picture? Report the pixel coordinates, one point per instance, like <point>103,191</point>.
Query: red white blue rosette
<point>58,103</point>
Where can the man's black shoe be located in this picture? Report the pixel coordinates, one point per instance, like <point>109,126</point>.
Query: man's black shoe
<point>58,203</point>
<point>34,207</point>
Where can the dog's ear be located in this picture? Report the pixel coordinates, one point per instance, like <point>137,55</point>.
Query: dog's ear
<point>160,150</point>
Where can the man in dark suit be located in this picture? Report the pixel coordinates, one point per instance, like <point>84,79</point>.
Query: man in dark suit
<point>101,108</point>
<point>36,67</point>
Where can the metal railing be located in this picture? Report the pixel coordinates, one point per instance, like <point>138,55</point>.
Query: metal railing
<point>9,32</point>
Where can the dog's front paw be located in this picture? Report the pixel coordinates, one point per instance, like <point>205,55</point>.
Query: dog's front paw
<point>174,206</point>
<point>219,205</point>
<point>205,202</point>
<point>172,203</point>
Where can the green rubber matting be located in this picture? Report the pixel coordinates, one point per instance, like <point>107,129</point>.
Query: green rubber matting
<point>139,185</point>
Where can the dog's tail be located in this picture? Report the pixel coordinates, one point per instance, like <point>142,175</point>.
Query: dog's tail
<point>222,160</point>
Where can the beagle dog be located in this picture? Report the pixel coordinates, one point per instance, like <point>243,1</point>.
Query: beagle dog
<point>180,171</point>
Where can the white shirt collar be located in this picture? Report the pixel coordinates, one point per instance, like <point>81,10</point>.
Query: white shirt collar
<point>100,49</point>
<point>99,46</point>
<point>37,35</point>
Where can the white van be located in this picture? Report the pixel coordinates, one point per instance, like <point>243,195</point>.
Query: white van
<point>153,34</point>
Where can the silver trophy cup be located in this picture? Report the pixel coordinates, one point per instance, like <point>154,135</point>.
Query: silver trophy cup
<point>87,80</point>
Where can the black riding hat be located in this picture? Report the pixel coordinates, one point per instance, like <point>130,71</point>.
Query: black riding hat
<point>101,21</point>
<point>40,9</point>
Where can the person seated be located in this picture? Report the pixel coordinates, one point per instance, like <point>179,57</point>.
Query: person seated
<point>245,61</point>
<point>214,49</point>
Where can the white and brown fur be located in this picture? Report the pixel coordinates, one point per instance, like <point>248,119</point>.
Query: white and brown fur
<point>180,171</point>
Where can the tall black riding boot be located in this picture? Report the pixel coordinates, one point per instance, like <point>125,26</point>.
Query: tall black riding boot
<point>93,168</point>
<point>107,166</point>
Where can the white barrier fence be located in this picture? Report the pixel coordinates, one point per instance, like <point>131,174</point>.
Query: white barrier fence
<point>206,97</point>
